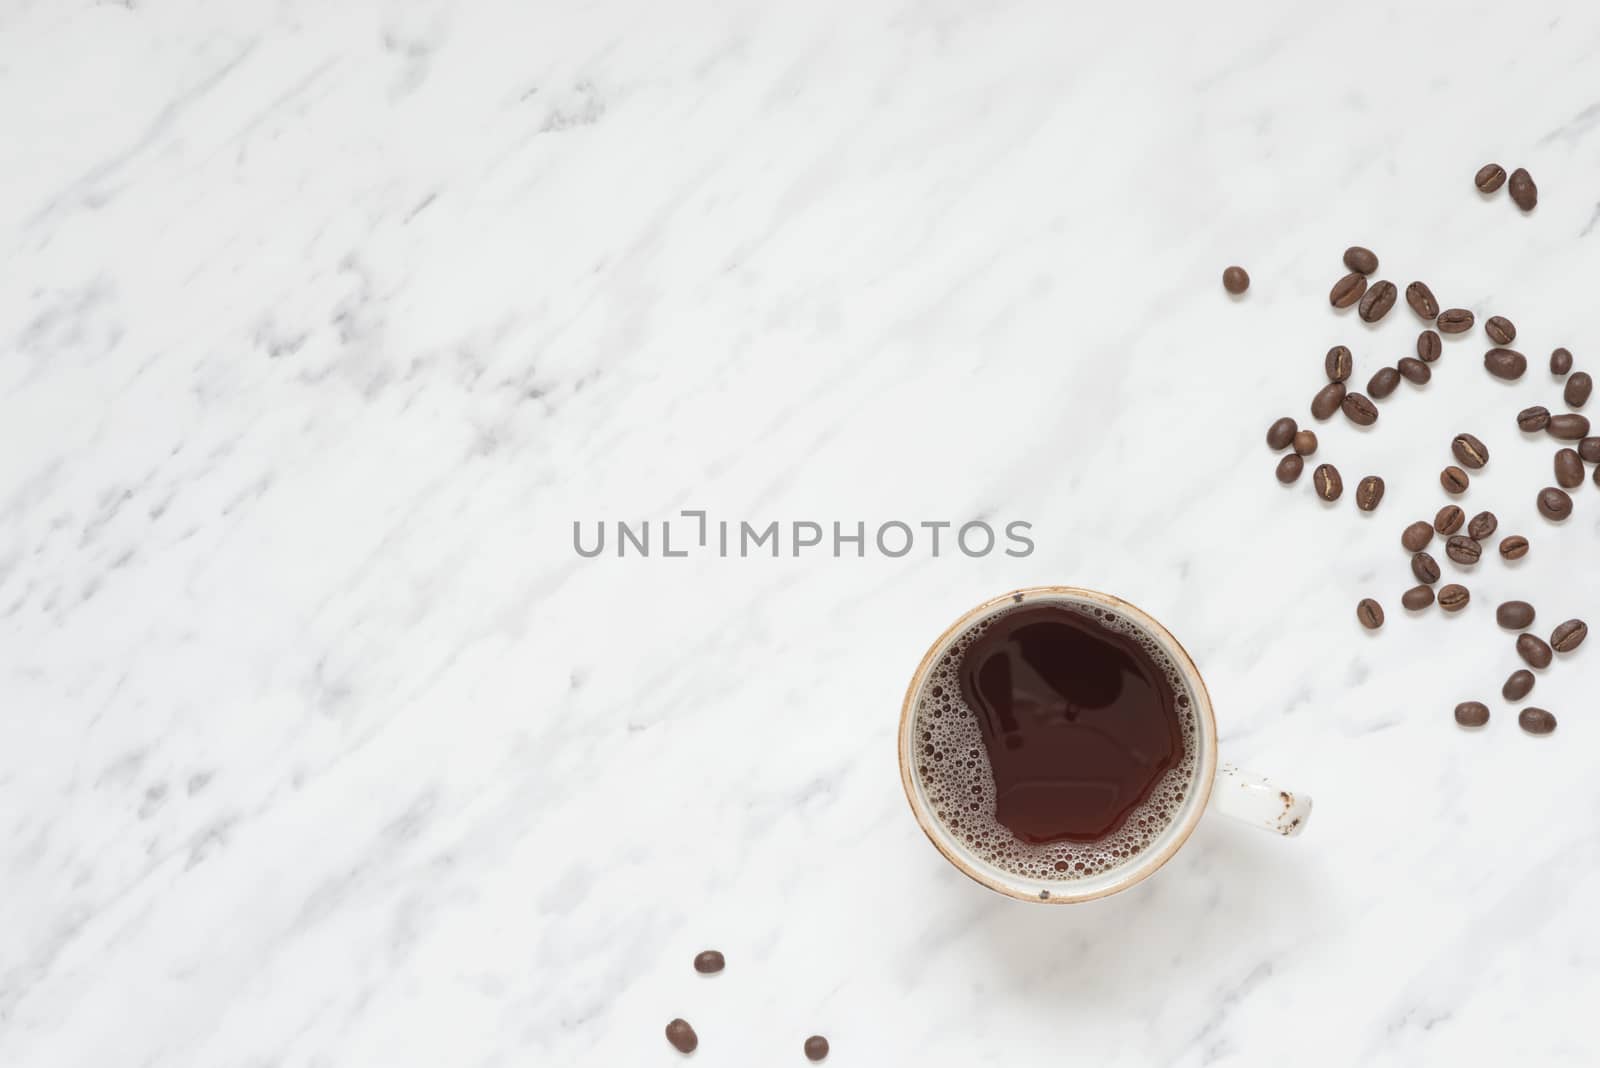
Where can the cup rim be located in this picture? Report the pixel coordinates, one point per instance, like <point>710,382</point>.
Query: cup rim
<point>1186,823</point>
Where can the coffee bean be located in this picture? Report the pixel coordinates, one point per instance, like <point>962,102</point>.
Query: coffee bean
<point>682,1036</point>
<point>1589,450</point>
<point>1305,442</point>
<point>1448,519</point>
<point>1280,435</point>
<point>1358,409</point>
<point>1508,364</point>
<point>1454,480</point>
<point>1514,615</point>
<point>1378,300</point>
<point>1569,635</point>
<point>1554,503</point>
<point>1235,280</point>
<point>1500,330</point>
<point>1370,613</point>
<point>1289,468</point>
<point>1414,370</point>
<point>1327,400</point>
<point>1532,648</point>
<point>1455,321</point>
<point>709,962</point>
<point>1472,713</point>
<point>1536,721</point>
<point>1420,297</point>
<point>1338,363</point>
<point>1360,260</point>
<point>1469,451</point>
<point>1560,362</point>
<point>1518,685</point>
<point>1325,479</point>
<point>1490,177</point>
<point>1347,290</point>
<point>1428,346</point>
<point>1369,491</point>
<point>1569,469</point>
<point>1417,536</point>
<point>1383,383</point>
<point>1533,419</point>
<point>1417,598</point>
<point>816,1048</point>
<point>1482,526</point>
<point>1513,547</point>
<point>1579,386</point>
<point>1464,551</point>
<point>1426,568</point>
<point>1523,192</point>
<point>1597,476</point>
<point>1454,598</point>
<point>1568,426</point>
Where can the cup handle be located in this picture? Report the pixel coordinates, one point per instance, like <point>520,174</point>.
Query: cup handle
<point>1249,797</point>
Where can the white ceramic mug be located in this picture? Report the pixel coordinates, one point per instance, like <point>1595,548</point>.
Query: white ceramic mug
<point>1242,795</point>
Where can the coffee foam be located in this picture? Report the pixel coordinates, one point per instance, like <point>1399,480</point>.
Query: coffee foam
<point>953,767</point>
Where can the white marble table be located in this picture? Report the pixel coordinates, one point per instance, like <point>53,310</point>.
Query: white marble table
<point>320,325</point>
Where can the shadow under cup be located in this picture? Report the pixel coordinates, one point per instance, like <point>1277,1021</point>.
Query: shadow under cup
<point>945,768</point>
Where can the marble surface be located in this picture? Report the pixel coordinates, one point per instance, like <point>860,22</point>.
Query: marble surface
<point>321,323</point>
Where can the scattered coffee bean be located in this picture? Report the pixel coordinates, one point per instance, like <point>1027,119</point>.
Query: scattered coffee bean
<point>1360,260</point>
<point>1597,476</point>
<point>1383,383</point>
<point>1377,301</point>
<point>1569,635</point>
<point>1448,519</point>
<point>1482,526</point>
<point>1338,363</point>
<point>816,1048</point>
<point>1569,468</point>
<point>1518,685</point>
<point>1347,290</point>
<point>1490,177</point>
<point>1370,613</point>
<point>1289,468</point>
<point>1579,386</point>
<point>1327,400</point>
<point>1426,568</point>
<point>1523,192</point>
<point>1472,713</point>
<point>1513,547</point>
<point>1554,503</point>
<point>1560,362</point>
<point>1420,297</point>
<point>1508,364</point>
<point>682,1036</point>
<point>1235,280</point>
<point>1514,615</point>
<point>1454,480</point>
<point>1500,330</point>
<point>1469,451</point>
<point>1568,426</point>
<point>1417,598</point>
<point>1369,492</point>
<point>1532,648</point>
<point>1533,419</point>
<point>1414,370</point>
<point>709,962</point>
<point>1417,536</point>
<point>1325,479</point>
<point>1536,720</point>
<point>1455,321</point>
<point>1589,450</point>
<point>1463,551</point>
<point>1453,598</point>
<point>1428,346</point>
<point>1305,442</point>
<point>1280,435</point>
<point>1358,409</point>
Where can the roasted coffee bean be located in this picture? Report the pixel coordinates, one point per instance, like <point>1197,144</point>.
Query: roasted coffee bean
<point>1490,177</point>
<point>1519,684</point>
<point>1536,720</point>
<point>1569,469</point>
<point>1513,547</point>
<point>1579,386</point>
<point>682,1036</point>
<point>1426,568</point>
<point>1569,635</point>
<point>1554,503</point>
<point>1500,330</point>
<point>1469,451</point>
<point>1428,346</point>
<point>1448,519</point>
<point>1597,476</point>
<point>1360,260</point>
<point>1280,435</point>
<point>1369,491</point>
<point>1325,479</point>
<point>1414,370</point>
<point>1454,480</point>
<point>1305,442</point>
<point>1589,450</point>
<point>1370,613</point>
<point>1347,290</point>
<point>1383,383</point>
<point>1417,598</point>
<point>1417,536</point>
<point>1377,301</point>
<point>709,962</point>
<point>1532,648</point>
<point>1235,280</point>
<point>816,1048</point>
<point>1454,598</point>
<point>1338,363</point>
<point>1464,551</point>
<point>1420,297</point>
<point>1455,321</point>
<point>1472,713</point>
<point>1289,468</point>
<point>1533,419</point>
<point>1523,192</point>
<point>1508,364</point>
<point>1568,426</point>
<point>1358,409</point>
<point>1514,615</point>
<point>1482,526</point>
<point>1560,362</point>
<point>1327,400</point>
